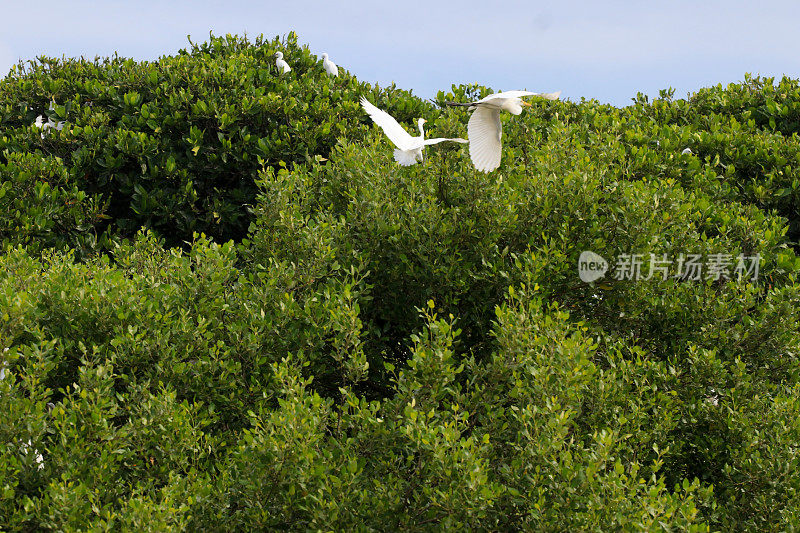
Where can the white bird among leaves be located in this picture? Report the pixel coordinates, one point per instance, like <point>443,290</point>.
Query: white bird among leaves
<point>44,126</point>
<point>484,129</point>
<point>409,149</point>
<point>39,123</point>
<point>329,66</point>
<point>281,64</point>
<point>27,448</point>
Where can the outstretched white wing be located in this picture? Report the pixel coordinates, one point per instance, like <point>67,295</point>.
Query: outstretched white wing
<point>519,94</point>
<point>390,127</point>
<point>549,96</point>
<point>484,131</point>
<point>428,142</point>
<point>505,94</point>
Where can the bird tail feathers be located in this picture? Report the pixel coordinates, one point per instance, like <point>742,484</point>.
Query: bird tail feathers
<point>405,158</point>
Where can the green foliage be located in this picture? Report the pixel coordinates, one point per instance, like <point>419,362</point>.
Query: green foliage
<point>42,208</point>
<point>175,144</point>
<point>772,106</point>
<point>389,348</point>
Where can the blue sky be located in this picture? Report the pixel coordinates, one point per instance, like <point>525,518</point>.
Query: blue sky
<point>603,50</point>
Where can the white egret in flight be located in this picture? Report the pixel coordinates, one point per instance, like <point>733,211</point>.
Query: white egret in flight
<point>484,129</point>
<point>281,64</point>
<point>409,149</point>
<point>329,66</point>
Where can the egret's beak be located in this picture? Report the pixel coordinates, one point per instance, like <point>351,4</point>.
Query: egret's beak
<point>526,104</point>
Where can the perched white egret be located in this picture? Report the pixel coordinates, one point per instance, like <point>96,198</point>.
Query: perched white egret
<point>329,66</point>
<point>409,149</point>
<point>687,151</point>
<point>44,126</point>
<point>26,448</point>
<point>281,64</point>
<point>484,129</point>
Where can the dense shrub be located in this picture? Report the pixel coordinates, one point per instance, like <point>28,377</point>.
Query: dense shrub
<point>389,347</point>
<point>42,208</point>
<point>175,144</point>
<point>772,106</point>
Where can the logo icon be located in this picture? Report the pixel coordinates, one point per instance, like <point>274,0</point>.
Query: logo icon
<point>591,266</point>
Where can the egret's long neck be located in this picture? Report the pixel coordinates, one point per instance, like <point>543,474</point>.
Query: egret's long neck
<point>421,131</point>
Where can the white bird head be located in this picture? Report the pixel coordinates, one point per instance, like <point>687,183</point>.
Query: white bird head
<point>420,122</point>
<point>278,55</point>
<point>324,56</point>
